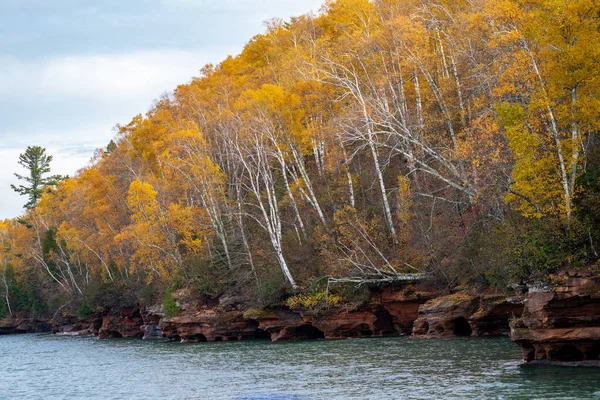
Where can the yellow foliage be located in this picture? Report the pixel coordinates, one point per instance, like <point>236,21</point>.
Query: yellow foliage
<point>313,300</point>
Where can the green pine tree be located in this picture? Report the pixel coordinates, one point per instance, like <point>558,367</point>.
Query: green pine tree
<point>37,162</point>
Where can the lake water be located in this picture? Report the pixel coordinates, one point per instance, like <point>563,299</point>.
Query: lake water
<point>51,367</point>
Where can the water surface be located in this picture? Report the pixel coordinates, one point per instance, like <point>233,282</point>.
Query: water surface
<point>51,367</point>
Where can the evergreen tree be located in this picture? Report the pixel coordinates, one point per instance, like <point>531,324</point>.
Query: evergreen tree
<point>37,163</point>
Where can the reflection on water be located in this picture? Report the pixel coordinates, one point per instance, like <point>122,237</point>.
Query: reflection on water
<point>35,366</point>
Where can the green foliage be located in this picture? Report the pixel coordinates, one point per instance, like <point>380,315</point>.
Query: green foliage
<point>169,303</point>
<point>37,163</point>
<point>3,309</point>
<point>520,249</point>
<point>350,293</point>
<point>203,276</point>
<point>111,146</point>
<point>49,243</point>
<point>113,295</point>
<point>84,311</point>
<point>272,290</point>
<point>24,295</point>
<point>587,202</point>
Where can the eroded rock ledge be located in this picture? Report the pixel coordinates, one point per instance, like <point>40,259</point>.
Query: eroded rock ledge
<point>561,323</point>
<point>462,314</point>
<point>17,325</point>
<point>388,311</point>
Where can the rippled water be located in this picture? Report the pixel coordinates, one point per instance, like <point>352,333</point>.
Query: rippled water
<point>50,367</point>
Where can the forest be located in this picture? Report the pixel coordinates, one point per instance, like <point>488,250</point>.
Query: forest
<point>456,140</point>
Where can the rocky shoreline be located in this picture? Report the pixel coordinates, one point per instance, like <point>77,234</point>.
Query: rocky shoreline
<point>389,311</point>
<point>561,323</point>
<point>558,324</point>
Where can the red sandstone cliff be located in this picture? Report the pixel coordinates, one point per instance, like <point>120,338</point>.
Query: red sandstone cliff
<point>462,314</point>
<point>389,311</point>
<point>561,322</point>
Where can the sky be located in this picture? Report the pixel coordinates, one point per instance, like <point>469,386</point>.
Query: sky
<point>70,70</point>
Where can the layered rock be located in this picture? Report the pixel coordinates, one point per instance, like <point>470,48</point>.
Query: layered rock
<point>494,313</point>
<point>446,316</point>
<point>124,324</point>
<point>462,314</point>
<point>131,322</point>
<point>207,320</point>
<point>72,325</point>
<point>151,328</point>
<point>210,326</point>
<point>561,323</point>
<point>23,325</point>
<point>403,303</point>
<point>284,325</point>
<point>390,311</point>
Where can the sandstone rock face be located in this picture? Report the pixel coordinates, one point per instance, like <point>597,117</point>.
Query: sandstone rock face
<point>446,316</point>
<point>286,325</point>
<point>208,320</point>
<point>493,315</point>
<point>126,324</point>
<point>461,314</point>
<point>71,325</point>
<point>561,324</point>
<point>131,322</point>
<point>403,305</point>
<point>210,326</point>
<point>151,328</point>
<point>23,325</point>
<point>151,332</point>
<point>390,311</point>
<point>335,323</point>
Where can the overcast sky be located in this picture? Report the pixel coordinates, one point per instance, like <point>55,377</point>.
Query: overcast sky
<point>70,70</point>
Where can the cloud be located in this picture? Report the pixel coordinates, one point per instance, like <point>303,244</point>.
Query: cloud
<point>11,201</point>
<point>123,75</point>
<point>274,7</point>
<point>115,78</point>
<point>117,85</point>
<point>69,72</point>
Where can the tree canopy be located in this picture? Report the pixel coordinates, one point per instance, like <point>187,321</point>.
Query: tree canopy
<point>371,140</point>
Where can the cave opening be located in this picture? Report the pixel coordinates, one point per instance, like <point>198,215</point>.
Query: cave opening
<point>196,338</point>
<point>462,327</point>
<point>593,351</point>
<point>262,334</point>
<point>384,324</point>
<point>528,351</point>
<point>308,332</point>
<point>568,353</point>
<point>113,335</point>
<point>363,330</point>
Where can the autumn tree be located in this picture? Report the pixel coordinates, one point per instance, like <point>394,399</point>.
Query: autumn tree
<point>372,140</point>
